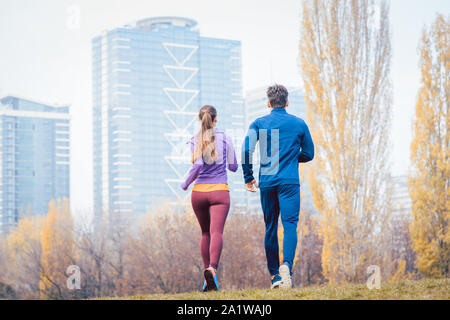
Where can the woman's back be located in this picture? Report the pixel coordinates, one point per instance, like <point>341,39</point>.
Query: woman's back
<point>215,172</point>
<point>208,172</point>
<point>212,150</point>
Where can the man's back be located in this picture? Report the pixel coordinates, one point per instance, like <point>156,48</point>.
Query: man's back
<point>284,142</point>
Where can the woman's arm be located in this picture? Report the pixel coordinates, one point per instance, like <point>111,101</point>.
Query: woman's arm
<point>193,174</point>
<point>195,170</point>
<point>231,155</point>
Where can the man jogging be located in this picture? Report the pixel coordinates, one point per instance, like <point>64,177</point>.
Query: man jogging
<point>284,141</point>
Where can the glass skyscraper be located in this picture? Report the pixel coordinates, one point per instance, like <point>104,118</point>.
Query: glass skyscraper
<point>150,79</point>
<point>256,103</point>
<point>255,107</point>
<point>35,158</point>
<point>401,199</point>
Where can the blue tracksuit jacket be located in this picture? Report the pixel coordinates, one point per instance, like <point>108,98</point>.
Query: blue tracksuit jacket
<point>284,141</point>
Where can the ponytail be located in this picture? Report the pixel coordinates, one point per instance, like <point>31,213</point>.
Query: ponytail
<point>205,146</point>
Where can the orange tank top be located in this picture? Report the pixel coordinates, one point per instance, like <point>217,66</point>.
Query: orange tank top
<point>208,187</point>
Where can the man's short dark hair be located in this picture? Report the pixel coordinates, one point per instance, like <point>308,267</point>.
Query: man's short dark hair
<point>277,95</point>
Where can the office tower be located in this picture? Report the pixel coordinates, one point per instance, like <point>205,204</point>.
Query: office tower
<point>256,103</point>
<point>35,157</point>
<point>401,199</point>
<point>150,79</point>
<point>255,107</point>
<point>401,216</point>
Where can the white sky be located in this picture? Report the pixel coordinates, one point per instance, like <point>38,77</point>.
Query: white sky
<point>43,57</point>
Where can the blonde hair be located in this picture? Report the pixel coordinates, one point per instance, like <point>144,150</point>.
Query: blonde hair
<point>205,146</point>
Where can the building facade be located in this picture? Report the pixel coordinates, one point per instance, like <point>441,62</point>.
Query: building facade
<point>256,103</point>
<point>255,107</point>
<point>401,200</point>
<point>401,217</point>
<point>150,79</point>
<point>34,158</point>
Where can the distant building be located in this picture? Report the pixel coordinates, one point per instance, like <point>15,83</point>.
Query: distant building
<point>255,107</point>
<point>401,199</point>
<point>401,216</point>
<point>34,158</point>
<point>150,79</point>
<point>256,103</point>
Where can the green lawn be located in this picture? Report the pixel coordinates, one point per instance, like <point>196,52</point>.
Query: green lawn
<point>419,289</point>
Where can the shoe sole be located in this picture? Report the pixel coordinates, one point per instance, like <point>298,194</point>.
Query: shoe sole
<point>276,285</point>
<point>286,282</point>
<point>210,284</point>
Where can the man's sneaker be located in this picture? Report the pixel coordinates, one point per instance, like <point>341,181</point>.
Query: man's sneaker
<point>286,282</point>
<point>276,281</point>
<point>211,279</point>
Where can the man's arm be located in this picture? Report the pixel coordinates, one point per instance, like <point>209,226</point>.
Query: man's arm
<point>307,145</point>
<point>248,148</point>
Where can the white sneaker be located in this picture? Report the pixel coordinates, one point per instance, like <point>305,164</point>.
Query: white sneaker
<point>285,274</point>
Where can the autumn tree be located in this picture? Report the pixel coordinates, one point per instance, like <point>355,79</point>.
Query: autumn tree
<point>429,178</point>
<point>308,262</point>
<point>398,256</point>
<point>94,251</point>
<point>345,55</point>
<point>166,240</point>
<point>20,257</point>
<point>243,262</point>
<point>57,250</point>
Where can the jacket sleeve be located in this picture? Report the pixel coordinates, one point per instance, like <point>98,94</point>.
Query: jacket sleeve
<point>248,148</point>
<point>307,145</point>
<point>231,155</point>
<point>195,169</point>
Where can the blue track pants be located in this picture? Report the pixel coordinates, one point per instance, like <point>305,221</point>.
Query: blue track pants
<point>284,199</point>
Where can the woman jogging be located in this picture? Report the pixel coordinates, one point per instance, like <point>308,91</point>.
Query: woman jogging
<point>212,152</point>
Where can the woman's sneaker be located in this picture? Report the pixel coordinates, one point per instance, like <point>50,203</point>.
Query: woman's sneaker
<point>211,279</point>
<point>276,281</point>
<point>285,273</point>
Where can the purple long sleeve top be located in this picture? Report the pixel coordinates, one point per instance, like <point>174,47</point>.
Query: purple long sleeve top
<point>216,172</point>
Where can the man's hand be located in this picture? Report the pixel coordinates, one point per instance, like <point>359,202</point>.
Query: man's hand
<point>251,186</point>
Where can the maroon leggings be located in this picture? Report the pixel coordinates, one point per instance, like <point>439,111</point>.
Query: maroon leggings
<point>211,209</point>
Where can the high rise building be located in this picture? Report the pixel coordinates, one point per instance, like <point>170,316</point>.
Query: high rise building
<point>401,199</point>
<point>255,107</point>
<point>401,216</point>
<point>150,79</point>
<point>256,103</point>
<point>34,158</point>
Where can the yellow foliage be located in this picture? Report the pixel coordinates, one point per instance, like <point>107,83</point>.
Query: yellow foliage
<point>57,249</point>
<point>344,64</point>
<point>400,272</point>
<point>22,250</point>
<point>28,228</point>
<point>430,178</point>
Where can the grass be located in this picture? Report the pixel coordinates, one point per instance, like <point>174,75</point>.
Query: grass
<point>426,289</point>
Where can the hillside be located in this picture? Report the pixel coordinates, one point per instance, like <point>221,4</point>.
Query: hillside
<point>418,289</point>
